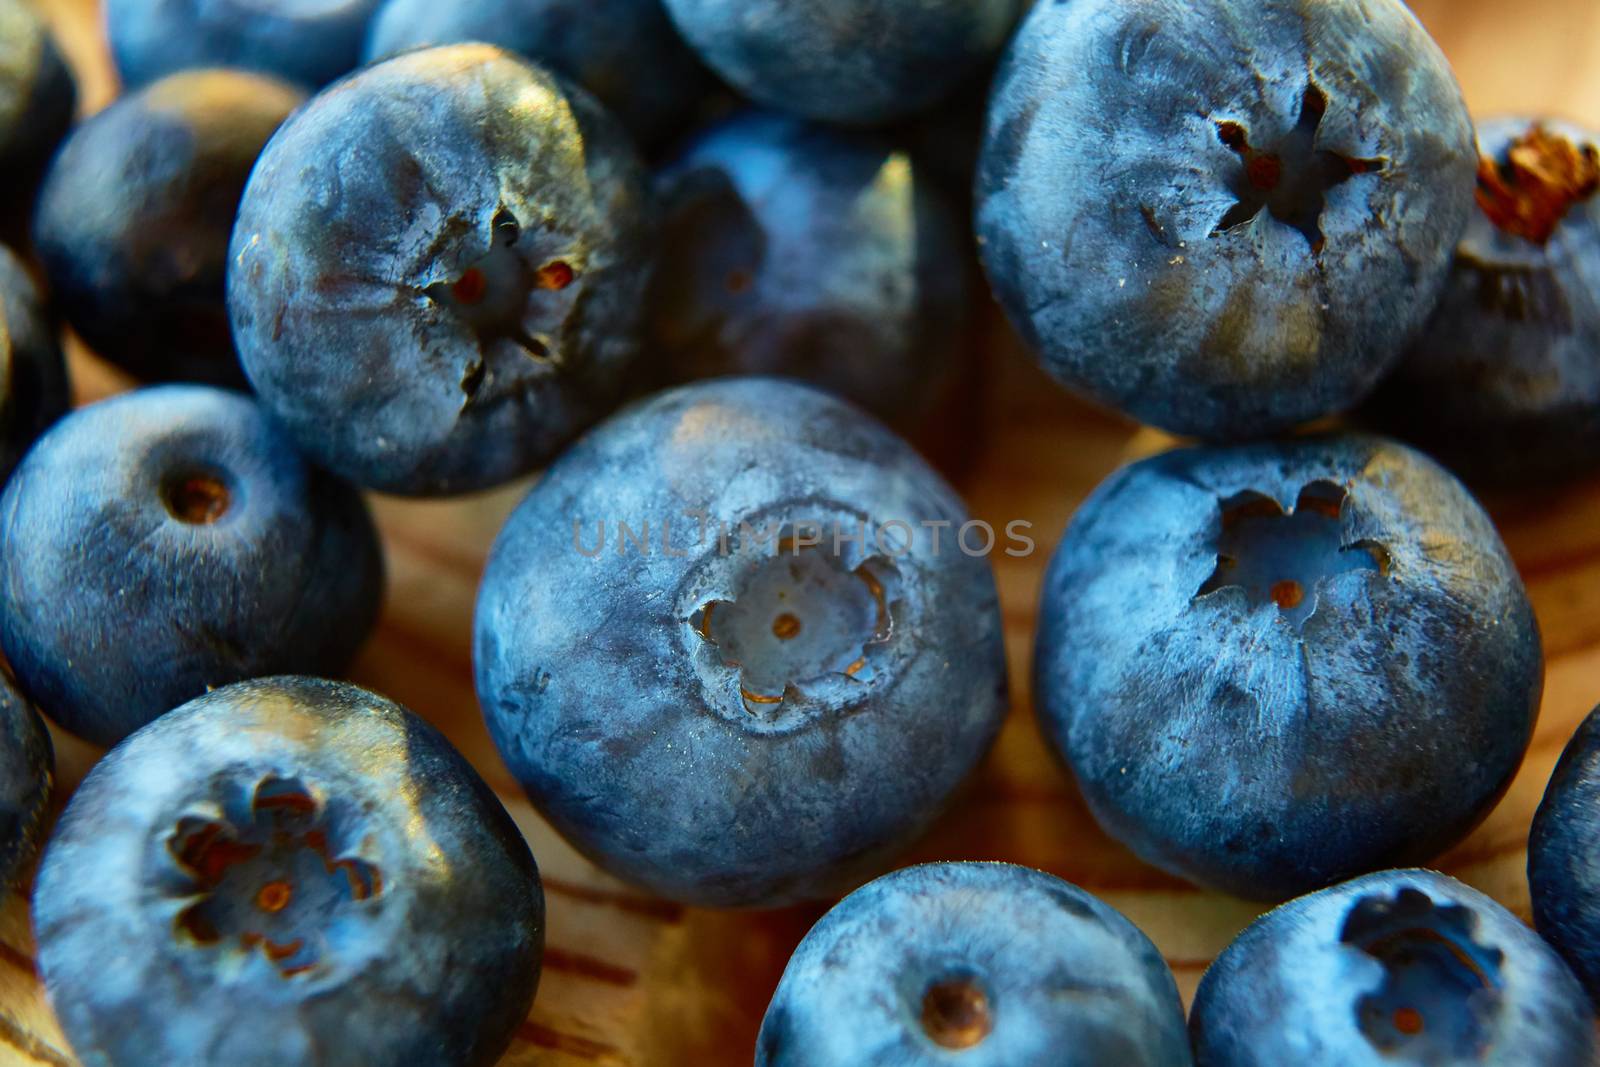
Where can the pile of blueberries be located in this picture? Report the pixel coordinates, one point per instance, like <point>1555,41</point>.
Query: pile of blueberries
<point>737,643</point>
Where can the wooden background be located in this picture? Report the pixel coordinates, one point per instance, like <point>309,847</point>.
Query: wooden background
<point>634,981</point>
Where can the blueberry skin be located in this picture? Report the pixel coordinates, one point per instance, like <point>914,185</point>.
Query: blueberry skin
<point>1564,857</point>
<point>626,52</point>
<point>796,250</point>
<point>33,375</point>
<point>1188,229</point>
<point>37,100</point>
<point>438,270</point>
<point>170,540</point>
<point>309,44</point>
<point>27,766</point>
<point>136,213</point>
<point>1503,385</point>
<point>1370,720</point>
<point>1397,967</point>
<point>844,719</point>
<point>857,62</point>
<point>1061,978</point>
<point>405,921</point>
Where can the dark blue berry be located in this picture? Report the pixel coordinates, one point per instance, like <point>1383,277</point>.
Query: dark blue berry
<point>136,213</point>
<point>795,250</point>
<point>170,540</point>
<point>849,61</point>
<point>310,44</point>
<point>982,964</point>
<point>1399,967</point>
<point>771,678</point>
<point>438,270</point>
<point>625,52</point>
<point>1223,217</point>
<point>288,871</point>
<point>1503,386</point>
<point>1274,666</point>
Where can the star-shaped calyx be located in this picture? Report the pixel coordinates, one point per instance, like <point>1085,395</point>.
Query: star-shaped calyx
<point>1290,180</point>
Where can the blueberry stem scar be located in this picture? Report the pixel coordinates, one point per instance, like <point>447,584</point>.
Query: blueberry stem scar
<point>1290,182</point>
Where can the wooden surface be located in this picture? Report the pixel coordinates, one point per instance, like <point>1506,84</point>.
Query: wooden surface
<point>634,981</point>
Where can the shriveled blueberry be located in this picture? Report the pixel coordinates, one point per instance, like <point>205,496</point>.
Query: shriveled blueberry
<point>718,647</point>
<point>288,871</point>
<point>309,42</point>
<point>1398,967</point>
<point>1564,857</point>
<point>1223,217</point>
<point>27,764</point>
<point>796,250</point>
<point>849,61</point>
<point>438,270</point>
<point>136,213</point>
<point>1504,386</point>
<point>1274,666</point>
<point>626,52</point>
<point>170,540</point>
<point>982,964</point>
<point>33,376</point>
<point>37,99</point>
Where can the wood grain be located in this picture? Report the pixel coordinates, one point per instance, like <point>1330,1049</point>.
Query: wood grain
<point>635,981</point>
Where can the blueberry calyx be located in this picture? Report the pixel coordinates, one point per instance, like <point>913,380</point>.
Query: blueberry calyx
<point>271,880</point>
<point>1281,556</point>
<point>1536,181</point>
<point>1292,181</point>
<point>1440,988</point>
<point>800,618</point>
<point>492,294</point>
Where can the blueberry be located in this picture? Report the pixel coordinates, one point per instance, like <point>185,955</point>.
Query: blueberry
<point>169,540</point>
<point>288,871</point>
<point>1503,385</point>
<point>1223,217</point>
<point>27,762</point>
<point>978,963</point>
<point>309,42</point>
<point>1399,967</point>
<point>625,52</point>
<point>37,99</point>
<point>1274,666</point>
<point>849,61</point>
<point>796,250</point>
<point>135,216</point>
<point>722,650</point>
<point>438,270</point>
<point>1564,857</point>
<point>33,376</point>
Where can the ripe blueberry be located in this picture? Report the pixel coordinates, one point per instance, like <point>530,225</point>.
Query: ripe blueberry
<point>170,540</point>
<point>985,964</point>
<point>625,52</point>
<point>718,646</point>
<point>1503,386</point>
<point>308,42</point>
<point>135,215</point>
<point>27,762</point>
<point>849,61</point>
<point>795,250</point>
<point>288,871</point>
<point>1274,666</point>
<point>438,270</point>
<point>39,97</point>
<point>1223,217</point>
<point>1399,967</point>
<point>1564,857</point>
